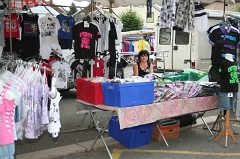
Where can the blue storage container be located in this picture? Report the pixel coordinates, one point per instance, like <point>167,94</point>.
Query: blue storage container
<point>128,94</point>
<point>130,137</point>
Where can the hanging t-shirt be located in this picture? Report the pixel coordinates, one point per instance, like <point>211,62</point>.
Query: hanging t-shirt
<point>15,26</point>
<point>223,41</point>
<point>228,76</point>
<point>48,27</point>
<point>66,24</point>
<point>112,46</point>
<point>62,71</point>
<point>2,42</point>
<point>30,35</point>
<point>98,67</point>
<point>30,27</point>
<point>119,27</point>
<point>85,40</point>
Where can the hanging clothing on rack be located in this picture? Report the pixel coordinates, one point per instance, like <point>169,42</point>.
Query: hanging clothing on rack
<point>167,14</point>
<point>48,27</point>
<point>85,35</point>
<point>15,26</point>
<point>30,35</point>
<point>65,32</point>
<point>185,15</point>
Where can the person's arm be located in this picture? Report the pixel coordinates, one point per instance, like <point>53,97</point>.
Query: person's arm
<point>135,69</point>
<point>151,68</point>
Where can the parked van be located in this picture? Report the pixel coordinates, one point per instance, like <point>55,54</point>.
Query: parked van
<point>180,50</point>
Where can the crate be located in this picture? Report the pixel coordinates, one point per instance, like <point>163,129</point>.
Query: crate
<point>128,94</point>
<point>182,77</point>
<point>168,131</point>
<point>90,92</point>
<point>130,137</point>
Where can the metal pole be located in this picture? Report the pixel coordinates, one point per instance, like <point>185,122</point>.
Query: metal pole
<point>92,8</point>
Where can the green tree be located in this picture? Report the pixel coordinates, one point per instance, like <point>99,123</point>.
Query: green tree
<point>237,9</point>
<point>73,9</point>
<point>131,20</point>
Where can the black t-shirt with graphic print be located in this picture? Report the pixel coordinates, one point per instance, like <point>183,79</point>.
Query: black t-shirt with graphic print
<point>228,76</point>
<point>85,39</point>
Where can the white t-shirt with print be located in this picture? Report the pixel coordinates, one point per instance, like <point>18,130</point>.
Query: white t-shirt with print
<point>62,72</point>
<point>48,27</point>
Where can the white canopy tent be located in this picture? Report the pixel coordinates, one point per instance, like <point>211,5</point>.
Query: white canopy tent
<point>138,32</point>
<point>124,3</point>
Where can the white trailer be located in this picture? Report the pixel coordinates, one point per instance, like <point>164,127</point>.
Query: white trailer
<point>185,50</point>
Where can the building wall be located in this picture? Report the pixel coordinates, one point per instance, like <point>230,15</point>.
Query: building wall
<point>142,11</point>
<point>220,6</point>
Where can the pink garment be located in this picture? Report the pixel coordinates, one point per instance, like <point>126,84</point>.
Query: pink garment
<point>6,118</point>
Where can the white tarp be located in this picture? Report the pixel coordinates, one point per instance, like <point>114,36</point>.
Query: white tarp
<point>124,3</point>
<point>138,32</point>
<point>41,10</point>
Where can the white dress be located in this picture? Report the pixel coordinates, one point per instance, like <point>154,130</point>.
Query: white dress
<point>54,116</point>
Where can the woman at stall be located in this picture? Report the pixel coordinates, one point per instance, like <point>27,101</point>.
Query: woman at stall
<point>143,66</point>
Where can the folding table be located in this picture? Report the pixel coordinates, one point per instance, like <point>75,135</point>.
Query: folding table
<point>150,113</point>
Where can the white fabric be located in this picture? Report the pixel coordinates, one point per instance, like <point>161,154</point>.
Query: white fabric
<point>125,3</point>
<point>62,72</point>
<point>54,116</point>
<point>119,27</point>
<point>48,27</point>
<point>46,49</point>
<point>1,50</point>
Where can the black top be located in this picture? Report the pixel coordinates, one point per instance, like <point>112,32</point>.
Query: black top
<point>224,41</point>
<point>85,40</point>
<point>141,72</point>
<point>228,76</point>
<point>30,30</point>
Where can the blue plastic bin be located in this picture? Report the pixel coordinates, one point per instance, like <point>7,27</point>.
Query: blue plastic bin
<point>130,137</point>
<point>128,94</point>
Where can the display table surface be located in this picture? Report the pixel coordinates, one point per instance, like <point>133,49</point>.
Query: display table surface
<point>144,114</point>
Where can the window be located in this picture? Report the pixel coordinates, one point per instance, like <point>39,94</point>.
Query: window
<point>165,36</point>
<point>150,20</point>
<point>182,38</point>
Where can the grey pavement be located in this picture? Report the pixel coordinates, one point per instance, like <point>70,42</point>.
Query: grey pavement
<point>77,148</point>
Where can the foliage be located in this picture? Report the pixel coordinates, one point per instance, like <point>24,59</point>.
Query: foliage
<point>73,9</point>
<point>237,9</point>
<point>131,20</point>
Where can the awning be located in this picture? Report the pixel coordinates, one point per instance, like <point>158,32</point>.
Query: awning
<point>138,32</point>
<point>124,3</point>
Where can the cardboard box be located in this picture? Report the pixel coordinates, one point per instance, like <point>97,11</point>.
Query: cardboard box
<point>169,132</point>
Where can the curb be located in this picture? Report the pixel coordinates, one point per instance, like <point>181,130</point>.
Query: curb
<point>85,146</point>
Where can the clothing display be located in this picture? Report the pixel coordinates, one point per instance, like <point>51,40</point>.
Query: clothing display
<point>48,27</point>
<point>30,35</point>
<point>184,14</point>
<point>112,36</point>
<point>85,35</point>
<point>14,28</point>
<point>200,18</point>
<point>224,39</point>
<point>149,8</point>
<point>228,76</point>
<point>167,14</point>
<point>62,72</point>
<point>65,32</point>
<point>54,124</point>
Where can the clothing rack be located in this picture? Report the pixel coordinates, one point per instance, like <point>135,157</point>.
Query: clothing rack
<point>33,64</point>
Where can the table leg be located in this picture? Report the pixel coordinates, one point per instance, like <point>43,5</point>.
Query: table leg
<point>101,131</point>
<point>162,136</point>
